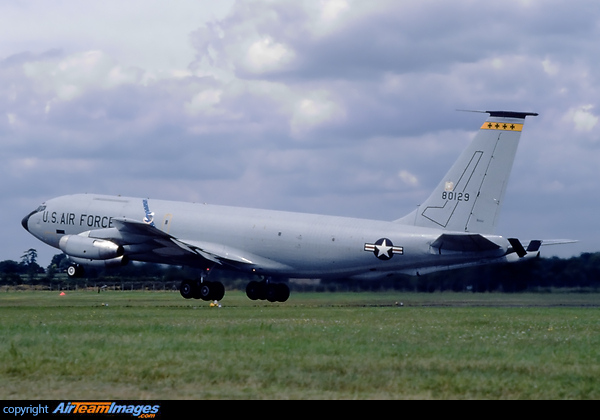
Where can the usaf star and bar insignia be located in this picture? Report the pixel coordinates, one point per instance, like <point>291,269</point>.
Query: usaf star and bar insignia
<point>384,249</point>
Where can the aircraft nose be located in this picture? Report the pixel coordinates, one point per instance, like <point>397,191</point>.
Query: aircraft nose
<point>25,221</point>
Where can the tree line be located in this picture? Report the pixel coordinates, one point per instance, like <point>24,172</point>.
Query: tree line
<point>578,273</point>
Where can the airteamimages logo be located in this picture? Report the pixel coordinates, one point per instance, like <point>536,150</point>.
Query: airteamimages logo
<point>141,411</point>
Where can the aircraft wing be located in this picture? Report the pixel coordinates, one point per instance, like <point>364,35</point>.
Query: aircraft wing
<point>139,238</point>
<point>234,257</point>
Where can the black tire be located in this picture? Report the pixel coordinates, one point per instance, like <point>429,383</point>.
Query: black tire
<point>196,290</point>
<point>271,292</point>
<point>186,289</point>
<point>255,290</point>
<point>283,292</point>
<point>75,271</point>
<point>205,290</point>
<point>218,291</point>
<point>277,292</point>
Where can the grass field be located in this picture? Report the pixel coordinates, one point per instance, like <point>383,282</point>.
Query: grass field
<point>156,345</point>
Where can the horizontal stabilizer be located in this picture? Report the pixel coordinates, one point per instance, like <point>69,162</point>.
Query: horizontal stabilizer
<point>557,241</point>
<point>534,246</point>
<point>517,247</point>
<point>511,114</point>
<point>464,243</point>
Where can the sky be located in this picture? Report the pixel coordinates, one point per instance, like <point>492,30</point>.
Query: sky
<point>341,107</point>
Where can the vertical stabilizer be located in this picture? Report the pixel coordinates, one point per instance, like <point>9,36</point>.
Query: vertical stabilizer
<point>469,197</point>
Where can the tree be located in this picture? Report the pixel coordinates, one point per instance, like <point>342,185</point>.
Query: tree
<point>28,260</point>
<point>60,262</point>
<point>10,272</point>
<point>29,257</point>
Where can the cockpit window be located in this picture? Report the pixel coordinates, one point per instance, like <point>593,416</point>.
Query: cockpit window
<point>40,208</point>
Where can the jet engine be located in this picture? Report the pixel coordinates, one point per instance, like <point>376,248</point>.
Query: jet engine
<point>89,248</point>
<point>76,269</point>
<point>110,263</point>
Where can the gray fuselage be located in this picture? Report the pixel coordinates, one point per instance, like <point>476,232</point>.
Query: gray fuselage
<point>276,243</point>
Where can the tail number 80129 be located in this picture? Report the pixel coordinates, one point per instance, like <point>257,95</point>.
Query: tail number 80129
<point>455,196</point>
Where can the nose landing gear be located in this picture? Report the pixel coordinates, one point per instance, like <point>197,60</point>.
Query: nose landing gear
<point>75,271</point>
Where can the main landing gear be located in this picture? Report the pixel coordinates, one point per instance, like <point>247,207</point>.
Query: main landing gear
<point>264,290</point>
<point>205,290</point>
<point>214,290</point>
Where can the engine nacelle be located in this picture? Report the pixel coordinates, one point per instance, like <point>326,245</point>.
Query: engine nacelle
<point>110,263</point>
<point>89,248</point>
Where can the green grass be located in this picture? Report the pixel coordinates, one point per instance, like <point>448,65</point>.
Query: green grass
<point>156,345</point>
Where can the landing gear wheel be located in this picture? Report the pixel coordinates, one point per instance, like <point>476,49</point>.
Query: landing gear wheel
<point>273,292</point>
<point>218,291</point>
<point>75,270</point>
<point>196,290</point>
<point>278,292</point>
<point>210,290</point>
<point>255,290</point>
<point>205,290</point>
<point>186,289</point>
<point>283,292</point>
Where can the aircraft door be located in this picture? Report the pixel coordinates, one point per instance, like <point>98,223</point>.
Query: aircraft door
<point>166,224</point>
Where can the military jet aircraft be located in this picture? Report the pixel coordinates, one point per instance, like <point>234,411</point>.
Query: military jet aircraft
<point>453,228</point>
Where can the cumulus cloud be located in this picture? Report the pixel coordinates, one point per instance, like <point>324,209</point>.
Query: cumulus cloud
<point>205,101</point>
<point>12,119</point>
<point>334,106</point>
<point>408,178</point>
<point>582,118</point>
<point>72,76</point>
<point>312,111</point>
<point>550,67</point>
<point>265,55</point>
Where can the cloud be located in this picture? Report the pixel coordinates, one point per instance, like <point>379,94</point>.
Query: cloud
<point>582,118</point>
<point>340,107</point>
<point>204,101</point>
<point>70,77</point>
<point>312,111</point>
<point>550,67</point>
<point>265,55</point>
<point>408,178</point>
<point>12,119</point>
